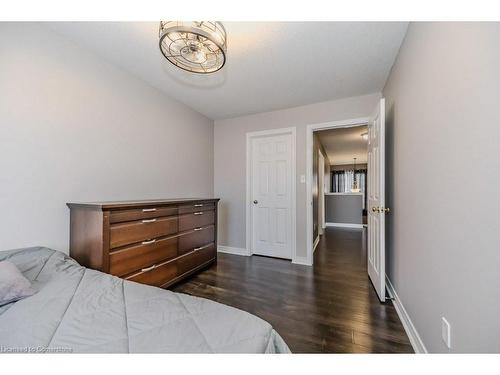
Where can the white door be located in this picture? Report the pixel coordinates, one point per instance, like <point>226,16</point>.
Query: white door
<point>271,184</point>
<point>376,199</point>
<point>321,193</point>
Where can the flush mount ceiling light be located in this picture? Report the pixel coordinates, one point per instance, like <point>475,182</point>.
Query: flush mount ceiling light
<point>364,136</point>
<point>195,46</point>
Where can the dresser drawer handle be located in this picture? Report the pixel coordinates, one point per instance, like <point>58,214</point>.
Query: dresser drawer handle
<point>149,221</point>
<point>148,242</point>
<point>148,209</point>
<point>198,213</point>
<point>149,268</point>
<point>197,229</point>
<point>198,205</point>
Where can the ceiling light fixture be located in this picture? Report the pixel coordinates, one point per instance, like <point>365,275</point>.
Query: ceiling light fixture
<point>355,188</point>
<point>195,46</point>
<point>365,136</point>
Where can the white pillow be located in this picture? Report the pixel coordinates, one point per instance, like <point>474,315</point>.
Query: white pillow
<point>13,285</point>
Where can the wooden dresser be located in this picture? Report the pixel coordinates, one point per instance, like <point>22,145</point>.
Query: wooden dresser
<point>157,242</point>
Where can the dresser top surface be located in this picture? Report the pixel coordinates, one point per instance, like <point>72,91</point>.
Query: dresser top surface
<point>138,203</point>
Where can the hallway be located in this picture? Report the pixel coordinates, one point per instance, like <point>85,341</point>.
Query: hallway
<point>328,308</point>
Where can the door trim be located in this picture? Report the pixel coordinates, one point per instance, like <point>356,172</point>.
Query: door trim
<point>321,194</point>
<point>309,175</point>
<point>248,197</point>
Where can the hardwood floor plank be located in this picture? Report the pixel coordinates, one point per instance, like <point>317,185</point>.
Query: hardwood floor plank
<point>328,308</point>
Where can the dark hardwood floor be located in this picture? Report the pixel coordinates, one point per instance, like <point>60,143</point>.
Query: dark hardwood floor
<point>329,308</point>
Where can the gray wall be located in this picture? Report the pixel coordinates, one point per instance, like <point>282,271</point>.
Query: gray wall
<point>74,128</point>
<point>230,159</point>
<point>443,166</point>
<point>344,209</point>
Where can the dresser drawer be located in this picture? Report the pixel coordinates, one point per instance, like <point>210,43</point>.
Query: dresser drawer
<point>196,219</point>
<point>138,231</point>
<point>120,216</point>
<point>197,206</point>
<point>156,275</point>
<point>196,258</point>
<point>196,238</point>
<point>147,253</point>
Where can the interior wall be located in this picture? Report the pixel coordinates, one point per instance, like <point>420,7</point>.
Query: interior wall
<point>442,187</point>
<point>75,128</point>
<point>341,167</point>
<point>344,208</point>
<point>230,159</point>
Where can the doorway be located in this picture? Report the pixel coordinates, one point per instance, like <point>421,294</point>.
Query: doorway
<point>271,197</point>
<point>375,191</point>
<point>346,152</point>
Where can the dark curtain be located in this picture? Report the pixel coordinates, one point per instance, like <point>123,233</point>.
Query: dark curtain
<point>340,184</point>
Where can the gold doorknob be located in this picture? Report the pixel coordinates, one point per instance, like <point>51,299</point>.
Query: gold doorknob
<point>387,210</point>
<point>375,209</point>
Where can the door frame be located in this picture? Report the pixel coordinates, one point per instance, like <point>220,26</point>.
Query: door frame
<point>248,205</point>
<point>309,172</point>
<point>321,193</point>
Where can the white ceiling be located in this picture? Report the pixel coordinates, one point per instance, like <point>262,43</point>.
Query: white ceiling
<point>271,65</point>
<point>342,145</point>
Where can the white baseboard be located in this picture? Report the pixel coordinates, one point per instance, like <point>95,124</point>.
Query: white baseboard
<point>316,241</point>
<point>345,225</point>
<point>302,261</point>
<point>232,250</point>
<point>411,331</point>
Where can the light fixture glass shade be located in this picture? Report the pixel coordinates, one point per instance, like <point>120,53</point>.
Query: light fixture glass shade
<point>195,46</point>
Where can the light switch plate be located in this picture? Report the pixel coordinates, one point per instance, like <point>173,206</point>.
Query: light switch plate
<point>446,332</point>
<point>302,179</point>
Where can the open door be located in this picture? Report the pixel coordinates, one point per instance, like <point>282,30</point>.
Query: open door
<point>376,199</point>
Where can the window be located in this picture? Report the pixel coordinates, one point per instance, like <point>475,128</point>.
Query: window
<point>343,181</point>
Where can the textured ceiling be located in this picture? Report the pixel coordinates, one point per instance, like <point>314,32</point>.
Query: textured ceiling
<point>271,65</point>
<point>342,145</point>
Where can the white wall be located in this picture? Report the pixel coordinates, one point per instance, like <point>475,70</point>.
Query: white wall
<point>443,98</point>
<point>75,128</point>
<point>230,159</point>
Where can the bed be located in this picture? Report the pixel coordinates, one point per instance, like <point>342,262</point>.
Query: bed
<point>77,310</point>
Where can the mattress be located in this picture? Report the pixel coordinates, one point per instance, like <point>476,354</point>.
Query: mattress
<point>79,310</point>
